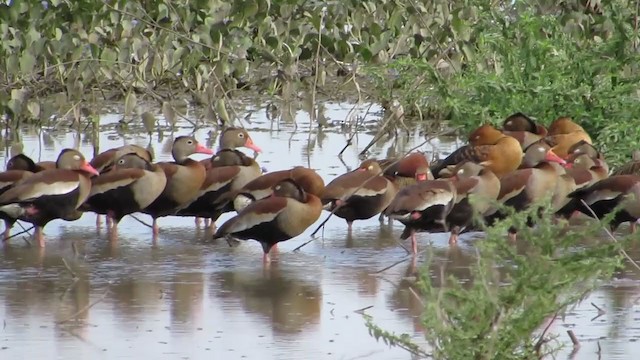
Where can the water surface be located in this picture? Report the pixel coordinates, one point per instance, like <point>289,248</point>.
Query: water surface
<point>191,299</point>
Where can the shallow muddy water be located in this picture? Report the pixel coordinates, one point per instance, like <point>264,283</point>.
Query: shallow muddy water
<point>185,299</point>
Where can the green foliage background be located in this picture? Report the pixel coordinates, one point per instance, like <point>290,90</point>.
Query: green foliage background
<point>469,61</point>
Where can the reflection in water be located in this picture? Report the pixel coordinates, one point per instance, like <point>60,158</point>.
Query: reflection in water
<point>290,304</point>
<point>192,298</point>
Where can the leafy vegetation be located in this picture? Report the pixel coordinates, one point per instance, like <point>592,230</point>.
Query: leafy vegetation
<point>501,313</point>
<point>469,61</point>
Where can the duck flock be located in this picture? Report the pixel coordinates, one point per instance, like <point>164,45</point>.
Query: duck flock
<point>515,166</point>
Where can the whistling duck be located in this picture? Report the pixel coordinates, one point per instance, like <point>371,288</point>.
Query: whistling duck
<point>23,162</point>
<point>131,185</point>
<point>604,196</point>
<point>585,170</point>
<point>498,152</point>
<point>535,180</point>
<point>359,194</point>
<point>106,159</point>
<point>476,183</point>
<point>7,180</point>
<point>564,133</point>
<point>282,216</point>
<point>404,170</point>
<point>232,138</point>
<point>184,179</point>
<point>630,168</point>
<point>524,129</point>
<point>262,186</point>
<point>50,194</point>
<point>230,171</point>
<point>423,206</point>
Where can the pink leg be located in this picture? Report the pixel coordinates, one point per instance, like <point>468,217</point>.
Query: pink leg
<point>113,234</point>
<point>109,221</point>
<point>349,226</point>
<point>513,236</point>
<point>266,259</point>
<point>632,227</point>
<point>98,221</point>
<point>198,221</point>
<point>453,239</point>
<point>39,236</point>
<point>212,225</point>
<point>155,228</point>
<point>414,242</point>
<point>7,231</point>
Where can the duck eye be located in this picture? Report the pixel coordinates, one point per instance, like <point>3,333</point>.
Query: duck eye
<point>277,187</point>
<point>461,171</point>
<point>121,161</point>
<point>76,157</point>
<point>240,135</point>
<point>190,142</point>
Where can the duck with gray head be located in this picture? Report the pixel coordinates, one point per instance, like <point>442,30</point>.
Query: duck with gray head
<point>50,194</point>
<point>184,179</point>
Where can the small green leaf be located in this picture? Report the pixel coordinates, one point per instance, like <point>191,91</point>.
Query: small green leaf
<point>27,63</point>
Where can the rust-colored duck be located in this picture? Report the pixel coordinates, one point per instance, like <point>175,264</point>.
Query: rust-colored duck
<point>262,186</point>
<point>50,194</point>
<point>284,215</point>
<point>184,179</point>
<point>131,185</point>
<point>487,146</point>
<point>563,133</point>
<point>359,194</point>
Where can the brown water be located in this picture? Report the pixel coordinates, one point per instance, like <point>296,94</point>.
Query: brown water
<point>188,300</point>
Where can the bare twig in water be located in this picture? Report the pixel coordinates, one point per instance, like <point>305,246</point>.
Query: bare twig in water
<point>362,310</point>
<point>415,294</point>
<point>355,131</point>
<point>574,339</point>
<point>541,341</point>
<point>600,310</point>
<point>599,352</point>
<point>140,221</point>
<point>66,265</point>
<point>369,179</point>
<point>19,233</point>
<point>104,294</point>
<point>611,236</point>
<point>399,262</point>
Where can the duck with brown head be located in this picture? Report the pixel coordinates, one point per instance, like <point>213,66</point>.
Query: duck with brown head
<point>489,146</point>
<point>131,185</point>
<point>50,194</point>
<point>359,194</point>
<point>184,179</point>
<point>524,129</point>
<point>282,216</point>
<point>262,186</point>
<point>106,159</point>
<point>563,134</point>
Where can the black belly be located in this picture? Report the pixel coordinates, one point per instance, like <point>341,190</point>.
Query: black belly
<point>162,206</point>
<point>51,207</point>
<point>209,205</point>
<point>118,202</point>
<point>268,234</point>
<point>360,207</point>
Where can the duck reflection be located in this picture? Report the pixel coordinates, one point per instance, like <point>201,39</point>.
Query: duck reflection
<point>288,302</point>
<point>377,237</point>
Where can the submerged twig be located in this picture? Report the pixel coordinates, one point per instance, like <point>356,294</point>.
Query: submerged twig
<point>362,310</point>
<point>89,306</point>
<point>140,221</point>
<point>66,265</point>
<point>574,339</point>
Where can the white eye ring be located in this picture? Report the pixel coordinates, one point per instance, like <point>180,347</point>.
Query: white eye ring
<point>76,157</point>
<point>277,187</point>
<point>540,148</point>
